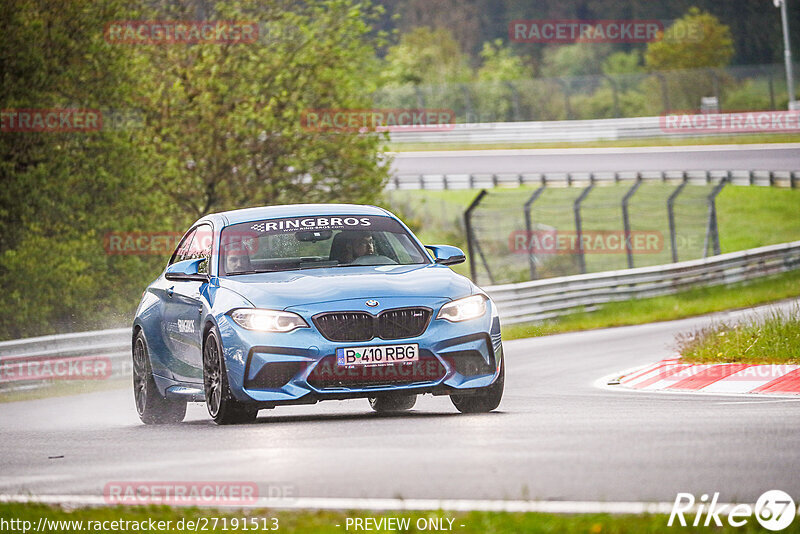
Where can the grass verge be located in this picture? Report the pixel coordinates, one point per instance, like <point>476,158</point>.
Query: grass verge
<point>772,339</point>
<point>605,143</point>
<point>322,522</point>
<point>748,217</point>
<point>684,304</point>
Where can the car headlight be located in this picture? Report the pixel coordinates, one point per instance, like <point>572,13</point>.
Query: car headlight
<point>463,309</point>
<point>268,320</point>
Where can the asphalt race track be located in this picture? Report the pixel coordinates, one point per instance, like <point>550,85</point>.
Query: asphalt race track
<point>785,157</point>
<point>557,436</point>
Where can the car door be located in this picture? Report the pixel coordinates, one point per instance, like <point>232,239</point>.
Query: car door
<point>183,309</point>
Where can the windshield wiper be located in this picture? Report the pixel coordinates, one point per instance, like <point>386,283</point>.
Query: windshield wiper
<point>324,266</point>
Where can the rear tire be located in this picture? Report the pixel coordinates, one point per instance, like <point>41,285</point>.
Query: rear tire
<point>395,403</point>
<point>486,400</point>
<point>222,406</point>
<point>153,409</point>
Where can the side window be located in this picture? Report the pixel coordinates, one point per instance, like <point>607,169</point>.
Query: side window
<point>182,252</point>
<point>201,246</point>
<point>196,245</point>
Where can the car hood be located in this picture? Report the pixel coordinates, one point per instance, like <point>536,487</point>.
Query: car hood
<point>296,288</point>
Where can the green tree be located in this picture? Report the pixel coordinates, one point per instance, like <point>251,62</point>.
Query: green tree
<point>500,64</point>
<point>63,191</point>
<point>221,128</point>
<point>225,121</point>
<point>623,63</point>
<point>579,59</point>
<point>696,40</point>
<point>426,56</point>
<point>499,98</point>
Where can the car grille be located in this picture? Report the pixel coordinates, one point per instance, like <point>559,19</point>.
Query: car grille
<point>398,323</point>
<point>327,374</point>
<point>346,326</point>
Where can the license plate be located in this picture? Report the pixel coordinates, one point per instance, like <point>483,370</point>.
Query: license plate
<point>377,355</point>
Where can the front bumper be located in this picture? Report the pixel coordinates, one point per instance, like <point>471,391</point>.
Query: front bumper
<point>300,367</point>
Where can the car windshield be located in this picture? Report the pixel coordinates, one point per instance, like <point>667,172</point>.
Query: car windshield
<point>316,242</point>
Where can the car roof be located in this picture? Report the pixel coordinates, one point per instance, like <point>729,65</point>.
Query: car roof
<point>297,210</point>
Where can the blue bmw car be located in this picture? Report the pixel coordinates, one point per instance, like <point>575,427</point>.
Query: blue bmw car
<point>297,304</point>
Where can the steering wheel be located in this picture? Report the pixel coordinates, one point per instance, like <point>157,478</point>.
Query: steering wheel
<point>374,259</point>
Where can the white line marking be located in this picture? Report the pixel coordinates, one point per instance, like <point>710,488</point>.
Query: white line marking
<point>450,505</point>
<point>759,401</point>
<point>609,150</point>
<point>602,383</point>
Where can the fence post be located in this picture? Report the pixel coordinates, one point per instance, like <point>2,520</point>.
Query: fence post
<point>613,85</point>
<point>467,100</point>
<point>471,237</point>
<point>715,81</point>
<point>565,87</point>
<point>673,238</point>
<point>578,226</point>
<point>515,101</point>
<point>771,85</point>
<point>664,91</point>
<point>712,231</point>
<point>420,97</point>
<point>626,221</point>
<point>529,229</point>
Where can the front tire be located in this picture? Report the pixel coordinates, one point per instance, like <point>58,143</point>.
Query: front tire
<point>485,401</point>
<point>394,403</point>
<point>223,408</point>
<point>153,409</point>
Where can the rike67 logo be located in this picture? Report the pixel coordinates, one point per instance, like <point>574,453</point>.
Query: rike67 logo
<point>774,510</point>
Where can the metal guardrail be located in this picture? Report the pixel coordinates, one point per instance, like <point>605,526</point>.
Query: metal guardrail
<point>492,180</point>
<point>529,301</point>
<point>30,356</point>
<point>556,131</point>
<point>544,299</point>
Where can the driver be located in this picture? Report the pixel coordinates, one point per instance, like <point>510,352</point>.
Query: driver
<point>235,263</point>
<point>236,258</point>
<point>358,245</point>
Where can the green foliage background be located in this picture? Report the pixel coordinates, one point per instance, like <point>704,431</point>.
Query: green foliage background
<point>211,127</point>
<point>214,127</point>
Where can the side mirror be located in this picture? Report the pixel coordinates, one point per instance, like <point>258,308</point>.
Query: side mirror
<point>447,255</point>
<point>186,270</point>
